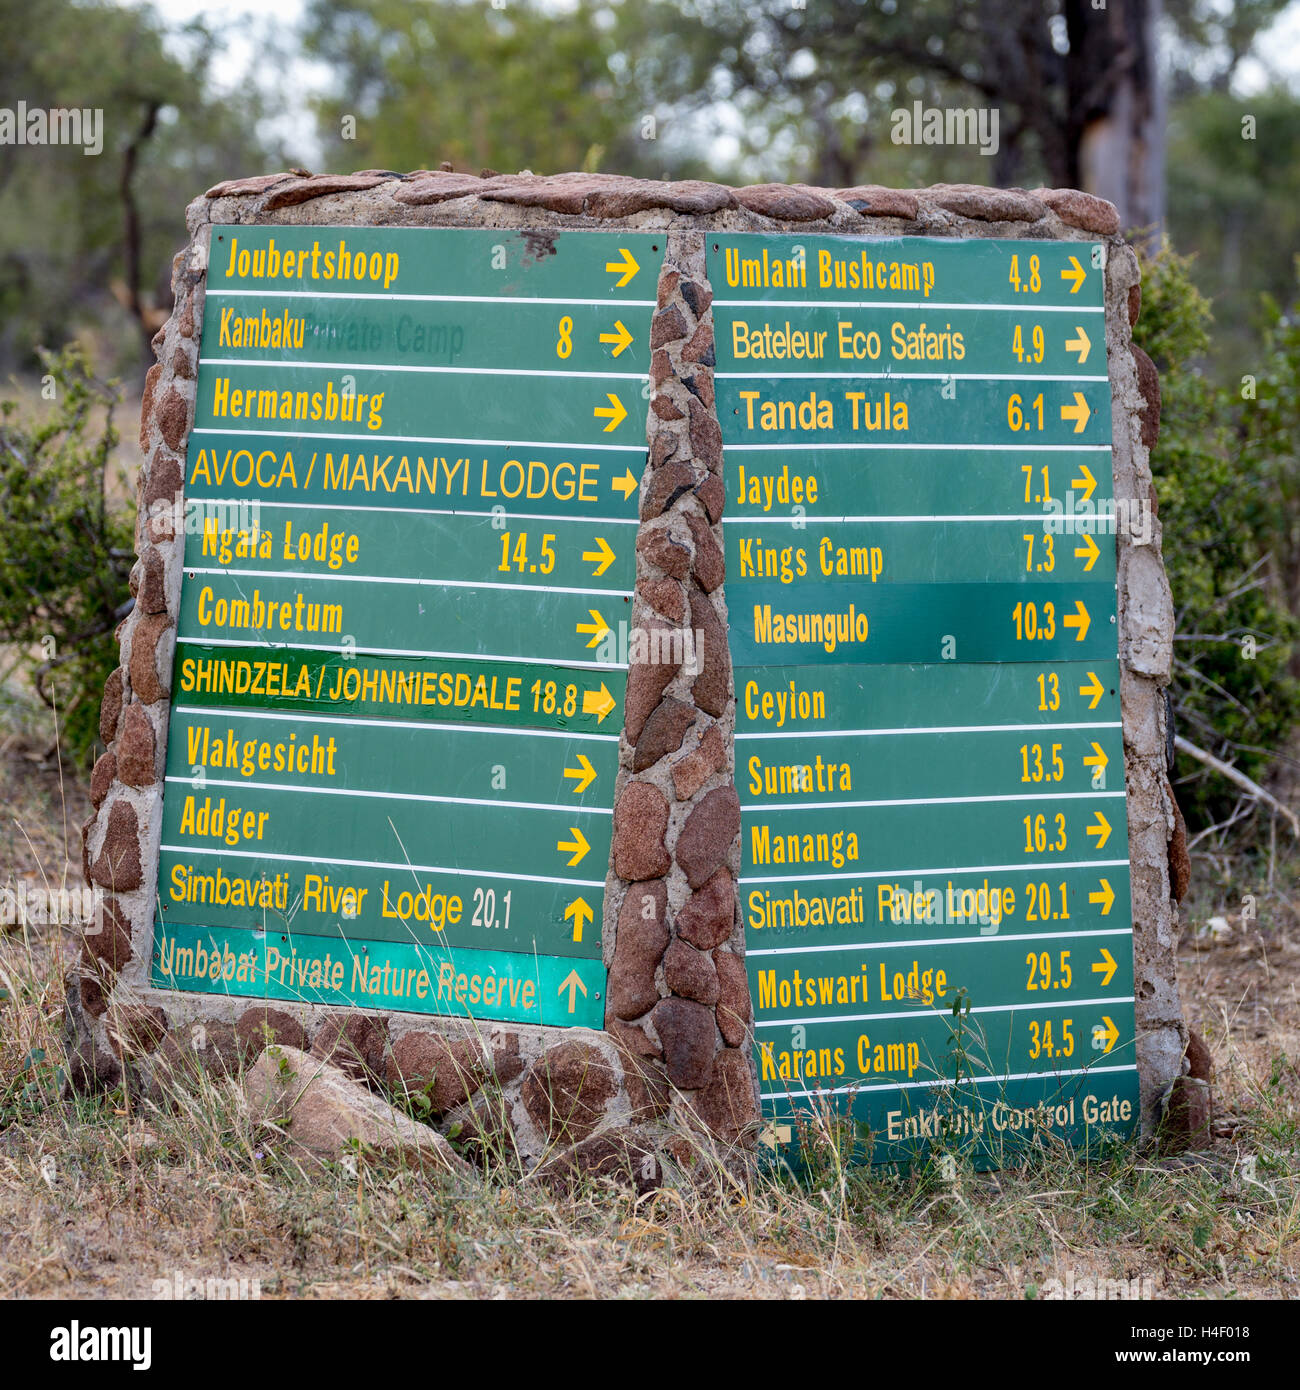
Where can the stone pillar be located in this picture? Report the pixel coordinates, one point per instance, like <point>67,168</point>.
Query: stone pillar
<point>674,1058</point>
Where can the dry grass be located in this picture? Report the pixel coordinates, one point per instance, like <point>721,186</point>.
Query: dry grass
<point>101,1197</point>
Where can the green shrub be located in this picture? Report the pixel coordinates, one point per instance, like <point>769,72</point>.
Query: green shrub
<point>1220,468</point>
<point>65,551</point>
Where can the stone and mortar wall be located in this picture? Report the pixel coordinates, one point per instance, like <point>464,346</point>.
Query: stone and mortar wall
<point>676,1049</point>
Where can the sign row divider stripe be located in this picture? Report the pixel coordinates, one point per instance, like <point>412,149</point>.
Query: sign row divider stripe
<point>449,511</point>
<point>205,711</point>
<point>228,571</point>
<point>567,808</point>
<point>1026,1006</point>
<point>386,296</point>
<point>945,1082</point>
<point>1014,937</point>
<point>474,371</point>
<point>1029,379</point>
<point>1070,525</point>
<point>478,443</point>
<point>939,729</point>
<point>1024,307</point>
<point>198,640</point>
<point>768,807</point>
<point>818,446</point>
<point>1050,865</point>
<point>189,851</point>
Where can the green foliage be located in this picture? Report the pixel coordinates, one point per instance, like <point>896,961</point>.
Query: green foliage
<point>508,89</point>
<point>64,240</point>
<point>1232,691</point>
<point>1271,448</point>
<point>34,1088</point>
<point>65,549</point>
<point>1234,195</point>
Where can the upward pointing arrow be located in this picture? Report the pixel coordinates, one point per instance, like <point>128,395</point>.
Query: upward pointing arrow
<point>573,983</point>
<point>580,911</point>
<point>627,268</point>
<point>1076,273</point>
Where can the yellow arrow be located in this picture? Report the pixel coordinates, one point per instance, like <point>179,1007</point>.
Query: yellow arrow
<point>1077,274</point>
<point>1094,688</point>
<point>1079,619</point>
<point>598,702</point>
<point>602,557</point>
<point>775,1134</point>
<point>1078,412</point>
<point>1101,830</point>
<point>617,413</point>
<point>1087,552</point>
<point>621,338</point>
<point>1106,967</point>
<point>598,627</point>
<point>1099,758</point>
<point>628,267</point>
<point>1108,1031</point>
<point>1085,483</point>
<point>573,983</point>
<point>1082,344</point>
<point>578,845</point>
<point>581,912</point>
<point>1105,897</point>
<point>627,484</point>
<point>585,775</point>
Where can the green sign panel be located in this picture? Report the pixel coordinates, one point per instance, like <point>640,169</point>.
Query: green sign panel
<point>410,517</point>
<point>921,585</point>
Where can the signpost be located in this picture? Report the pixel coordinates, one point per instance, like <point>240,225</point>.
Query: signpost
<point>410,523</point>
<point>921,586</point>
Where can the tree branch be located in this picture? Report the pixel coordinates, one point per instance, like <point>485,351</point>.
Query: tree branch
<point>1238,779</point>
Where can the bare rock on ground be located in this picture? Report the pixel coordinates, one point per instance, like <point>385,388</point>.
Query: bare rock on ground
<point>328,1114</point>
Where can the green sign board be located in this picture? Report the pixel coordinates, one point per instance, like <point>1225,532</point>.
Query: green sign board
<point>409,557</point>
<point>929,755</point>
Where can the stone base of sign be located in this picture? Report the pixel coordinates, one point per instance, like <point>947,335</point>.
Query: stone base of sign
<point>675,1057</point>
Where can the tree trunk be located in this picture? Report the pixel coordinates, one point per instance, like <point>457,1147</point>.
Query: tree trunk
<point>1115,107</point>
